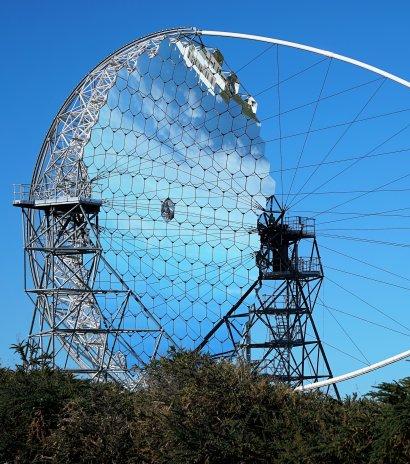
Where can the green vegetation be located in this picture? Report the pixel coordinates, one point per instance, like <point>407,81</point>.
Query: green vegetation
<point>192,409</point>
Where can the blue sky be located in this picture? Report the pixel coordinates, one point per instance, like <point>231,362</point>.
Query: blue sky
<point>47,47</point>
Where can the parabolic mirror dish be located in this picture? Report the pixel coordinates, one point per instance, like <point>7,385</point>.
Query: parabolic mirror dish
<point>155,220</point>
<point>171,146</point>
<point>167,139</point>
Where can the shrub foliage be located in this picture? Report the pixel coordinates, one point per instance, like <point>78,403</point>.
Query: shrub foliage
<point>193,409</point>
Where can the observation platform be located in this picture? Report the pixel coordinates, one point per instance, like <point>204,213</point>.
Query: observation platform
<point>276,310</point>
<point>280,343</point>
<point>301,268</point>
<point>300,226</point>
<point>45,199</point>
<point>290,228</point>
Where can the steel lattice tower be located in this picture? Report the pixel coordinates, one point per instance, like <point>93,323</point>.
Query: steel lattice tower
<point>277,333</point>
<point>71,283</point>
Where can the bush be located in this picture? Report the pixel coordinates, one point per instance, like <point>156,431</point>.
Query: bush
<point>392,435</point>
<point>190,408</point>
<point>31,403</point>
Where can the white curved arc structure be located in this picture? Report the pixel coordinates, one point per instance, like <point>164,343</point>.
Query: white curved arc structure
<point>357,373</point>
<point>360,64</point>
<point>285,43</point>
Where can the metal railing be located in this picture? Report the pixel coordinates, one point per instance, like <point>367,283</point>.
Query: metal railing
<point>302,265</point>
<point>26,193</point>
<point>306,264</point>
<point>21,192</point>
<point>299,223</point>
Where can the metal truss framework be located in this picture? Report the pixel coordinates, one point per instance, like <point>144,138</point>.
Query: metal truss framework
<point>64,256</point>
<point>280,336</point>
<point>62,248</point>
<point>64,144</point>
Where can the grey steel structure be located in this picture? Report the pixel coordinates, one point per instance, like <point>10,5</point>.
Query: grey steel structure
<point>64,254</point>
<point>189,269</point>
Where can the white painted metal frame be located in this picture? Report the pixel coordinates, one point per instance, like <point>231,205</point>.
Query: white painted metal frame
<point>71,127</point>
<point>356,373</point>
<point>285,43</point>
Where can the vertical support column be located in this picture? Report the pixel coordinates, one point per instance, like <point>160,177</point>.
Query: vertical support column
<point>86,319</point>
<point>62,249</point>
